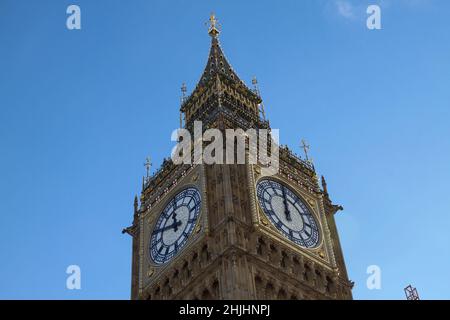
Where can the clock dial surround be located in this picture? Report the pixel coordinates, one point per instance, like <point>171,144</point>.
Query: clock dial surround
<point>174,225</point>
<point>288,212</point>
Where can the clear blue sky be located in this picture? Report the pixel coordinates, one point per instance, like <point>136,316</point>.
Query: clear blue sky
<point>80,111</point>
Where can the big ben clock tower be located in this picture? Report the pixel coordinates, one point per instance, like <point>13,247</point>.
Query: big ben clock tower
<point>235,231</point>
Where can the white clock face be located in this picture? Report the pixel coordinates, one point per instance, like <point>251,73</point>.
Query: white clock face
<point>288,213</point>
<point>174,225</point>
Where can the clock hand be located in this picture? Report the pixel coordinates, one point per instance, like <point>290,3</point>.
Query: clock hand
<point>286,209</point>
<point>176,223</point>
<point>174,214</point>
<point>162,229</point>
<point>173,225</point>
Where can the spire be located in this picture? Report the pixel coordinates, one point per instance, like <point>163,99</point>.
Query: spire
<point>217,63</point>
<point>218,75</point>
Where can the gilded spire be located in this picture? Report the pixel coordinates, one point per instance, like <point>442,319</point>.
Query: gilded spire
<point>214,26</point>
<point>217,65</point>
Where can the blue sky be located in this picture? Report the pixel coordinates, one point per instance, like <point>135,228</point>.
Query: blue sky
<point>80,111</point>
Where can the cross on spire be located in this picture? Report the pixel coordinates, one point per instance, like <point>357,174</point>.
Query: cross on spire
<point>214,26</point>
<point>305,146</point>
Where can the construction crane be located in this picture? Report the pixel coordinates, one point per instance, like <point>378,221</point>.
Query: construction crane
<point>411,293</point>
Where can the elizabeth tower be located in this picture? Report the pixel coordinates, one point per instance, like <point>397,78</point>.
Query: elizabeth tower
<point>234,231</point>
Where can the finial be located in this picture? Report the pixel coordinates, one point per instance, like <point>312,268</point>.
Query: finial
<point>183,92</point>
<point>324,185</point>
<point>183,88</point>
<point>147,166</point>
<point>136,205</point>
<point>256,91</point>
<point>305,146</point>
<point>255,85</point>
<point>183,100</point>
<point>214,26</point>
<point>181,121</point>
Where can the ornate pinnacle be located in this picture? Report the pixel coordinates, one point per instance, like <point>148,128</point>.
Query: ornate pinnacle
<point>183,92</point>
<point>255,85</point>
<point>324,185</point>
<point>147,166</point>
<point>136,205</point>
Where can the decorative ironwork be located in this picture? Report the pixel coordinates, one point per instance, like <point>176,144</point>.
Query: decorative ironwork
<point>307,164</point>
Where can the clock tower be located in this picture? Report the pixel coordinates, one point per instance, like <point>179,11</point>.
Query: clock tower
<point>234,231</point>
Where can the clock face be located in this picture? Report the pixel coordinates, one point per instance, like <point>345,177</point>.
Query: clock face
<point>288,213</point>
<point>174,225</point>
